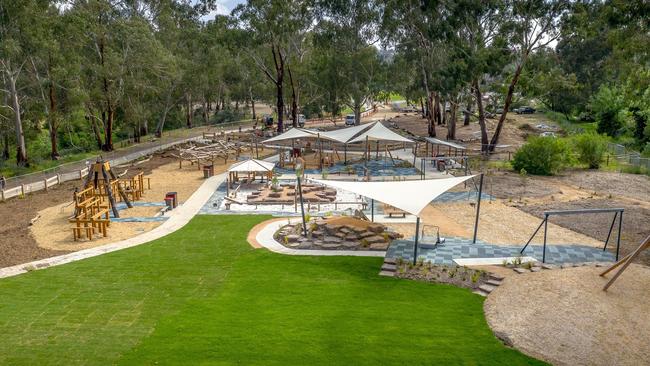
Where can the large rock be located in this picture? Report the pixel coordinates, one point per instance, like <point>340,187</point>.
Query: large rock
<point>379,246</point>
<point>351,237</point>
<point>375,239</point>
<point>332,239</point>
<point>292,238</point>
<point>350,245</point>
<point>332,228</point>
<point>317,233</point>
<point>345,229</point>
<point>331,246</point>
<point>357,229</point>
<point>366,234</point>
<point>376,228</point>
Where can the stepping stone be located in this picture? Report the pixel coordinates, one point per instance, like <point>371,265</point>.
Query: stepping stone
<point>487,288</point>
<point>387,274</point>
<point>566,265</point>
<point>379,246</point>
<point>495,277</point>
<point>535,269</point>
<point>493,282</point>
<point>390,261</point>
<point>389,267</point>
<point>520,270</point>
<point>548,266</point>
<point>480,292</point>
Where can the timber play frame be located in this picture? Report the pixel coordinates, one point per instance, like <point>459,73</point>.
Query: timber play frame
<point>92,204</point>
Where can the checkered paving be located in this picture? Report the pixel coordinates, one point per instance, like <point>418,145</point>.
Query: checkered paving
<point>455,248</point>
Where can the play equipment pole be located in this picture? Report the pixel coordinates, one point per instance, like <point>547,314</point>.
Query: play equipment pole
<point>618,236</point>
<point>415,247</point>
<point>372,210</point>
<point>302,207</point>
<point>478,207</point>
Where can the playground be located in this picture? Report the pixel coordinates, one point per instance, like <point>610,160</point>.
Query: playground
<point>421,232</point>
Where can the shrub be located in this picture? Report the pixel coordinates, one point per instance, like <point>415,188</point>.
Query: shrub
<point>590,147</point>
<point>542,156</point>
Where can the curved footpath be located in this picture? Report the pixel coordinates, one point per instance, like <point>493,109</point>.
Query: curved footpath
<point>177,219</point>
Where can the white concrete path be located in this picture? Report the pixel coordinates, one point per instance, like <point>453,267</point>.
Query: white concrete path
<point>177,219</point>
<point>265,239</point>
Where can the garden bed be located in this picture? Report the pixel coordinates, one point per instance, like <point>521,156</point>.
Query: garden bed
<point>453,275</point>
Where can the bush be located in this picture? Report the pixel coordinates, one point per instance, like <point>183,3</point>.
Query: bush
<point>608,106</point>
<point>590,147</point>
<point>542,156</point>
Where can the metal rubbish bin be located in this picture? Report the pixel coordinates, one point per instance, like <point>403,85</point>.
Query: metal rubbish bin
<point>174,197</point>
<point>208,171</point>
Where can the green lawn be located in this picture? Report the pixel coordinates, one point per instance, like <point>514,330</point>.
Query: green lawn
<point>203,296</point>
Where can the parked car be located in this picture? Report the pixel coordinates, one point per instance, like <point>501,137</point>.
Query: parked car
<point>350,120</point>
<point>301,120</point>
<point>525,110</point>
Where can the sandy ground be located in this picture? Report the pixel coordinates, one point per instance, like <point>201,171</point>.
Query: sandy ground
<point>52,231</point>
<point>498,224</point>
<point>564,317</point>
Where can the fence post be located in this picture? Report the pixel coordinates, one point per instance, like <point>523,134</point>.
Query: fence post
<point>58,178</point>
<point>80,174</point>
<point>2,195</point>
<point>45,183</point>
<point>22,189</point>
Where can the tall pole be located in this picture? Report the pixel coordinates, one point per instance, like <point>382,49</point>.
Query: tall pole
<point>417,233</point>
<point>544,247</point>
<point>618,236</point>
<point>302,208</point>
<point>372,210</point>
<point>345,154</point>
<point>478,207</point>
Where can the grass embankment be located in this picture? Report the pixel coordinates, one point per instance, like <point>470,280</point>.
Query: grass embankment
<point>202,295</point>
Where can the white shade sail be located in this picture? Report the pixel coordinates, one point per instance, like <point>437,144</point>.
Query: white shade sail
<point>379,132</point>
<point>436,141</point>
<point>294,133</point>
<point>252,165</point>
<point>410,196</point>
<point>343,135</point>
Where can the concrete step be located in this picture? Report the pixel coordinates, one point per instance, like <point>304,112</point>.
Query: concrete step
<point>389,267</point>
<point>495,277</point>
<point>494,282</point>
<point>387,273</point>
<point>480,292</point>
<point>487,288</point>
<point>390,261</point>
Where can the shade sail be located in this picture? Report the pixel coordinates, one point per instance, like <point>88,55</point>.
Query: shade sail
<point>343,135</point>
<point>379,132</point>
<point>410,196</point>
<point>435,141</point>
<point>294,133</point>
<point>252,165</point>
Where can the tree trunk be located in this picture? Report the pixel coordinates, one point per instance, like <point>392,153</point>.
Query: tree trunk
<point>430,117</point>
<point>90,118</point>
<point>108,130</point>
<point>443,105</point>
<point>451,124</point>
<point>481,115</point>
<point>436,108</point>
<point>294,99</point>
<point>205,112</point>
<point>506,106</point>
<point>21,151</point>
<point>467,113</point>
<point>54,154</point>
<point>357,113</point>
<point>250,92</point>
<point>188,112</point>
<point>279,84</point>
<point>422,107</point>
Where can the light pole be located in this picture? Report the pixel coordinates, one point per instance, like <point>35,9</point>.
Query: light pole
<point>302,206</point>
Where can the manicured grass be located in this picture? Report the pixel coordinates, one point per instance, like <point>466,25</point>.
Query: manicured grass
<point>203,296</point>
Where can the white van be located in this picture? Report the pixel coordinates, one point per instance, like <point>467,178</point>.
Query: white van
<point>350,120</point>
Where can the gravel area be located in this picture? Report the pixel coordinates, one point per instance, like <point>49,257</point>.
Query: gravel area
<point>563,316</point>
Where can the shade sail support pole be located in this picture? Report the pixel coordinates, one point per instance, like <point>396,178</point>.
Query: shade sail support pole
<point>478,207</point>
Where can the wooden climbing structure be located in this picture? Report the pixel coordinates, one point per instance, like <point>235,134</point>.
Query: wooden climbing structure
<point>97,199</point>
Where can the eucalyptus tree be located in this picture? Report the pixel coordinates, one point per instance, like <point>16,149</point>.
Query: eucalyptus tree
<point>533,24</point>
<point>349,31</point>
<point>273,25</point>
<point>19,24</point>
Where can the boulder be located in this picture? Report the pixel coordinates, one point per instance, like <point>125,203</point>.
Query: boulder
<point>350,245</point>
<point>332,239</point>
<point>366,234</point>
<point>357,229</point>
<point>340,234</point>
<point>317,233</point>
<point>292,238</point>
<point>375,239</point>
<point>379,246</point>
<point>332,228</point>
<point>352,237</point>
<point>376,228</point>
<point>331,246</point>
<point>345,229</point>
